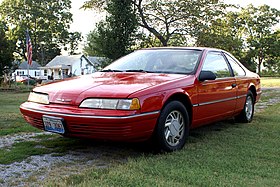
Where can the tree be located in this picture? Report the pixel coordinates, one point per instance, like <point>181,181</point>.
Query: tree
<point>258,24</point>
<point>273,53</point>
<point>47,21</point>
<point>6,49</point>
<point>113,37</point>
<point>74,39</point>
<point>224,33</point>
<point>91,46</point>
<point>169,19</point>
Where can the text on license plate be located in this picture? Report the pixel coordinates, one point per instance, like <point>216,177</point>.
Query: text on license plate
<point>53,124</point>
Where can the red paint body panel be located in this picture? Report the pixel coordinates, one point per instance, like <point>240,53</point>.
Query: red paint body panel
<point>207,101</point>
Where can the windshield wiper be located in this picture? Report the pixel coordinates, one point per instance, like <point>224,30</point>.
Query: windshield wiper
<point>110,70</point>
<point>137,70</point>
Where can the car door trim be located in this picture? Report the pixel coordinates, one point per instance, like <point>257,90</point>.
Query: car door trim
<point>218,101</point>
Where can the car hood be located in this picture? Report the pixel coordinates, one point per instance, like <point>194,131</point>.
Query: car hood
<point>102,85</point>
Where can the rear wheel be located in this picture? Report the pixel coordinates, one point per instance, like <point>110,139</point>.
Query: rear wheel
<point>173,127</point>
<point>247,113</point>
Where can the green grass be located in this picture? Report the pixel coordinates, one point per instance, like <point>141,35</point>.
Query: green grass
<point>223,154</point>
<point>11,121</point>
<point>20,151</point>
<point>270,82</point>
<point>43,144</point>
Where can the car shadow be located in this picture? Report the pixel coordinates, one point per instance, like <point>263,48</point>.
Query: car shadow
<point>131,150</point>
<point>205,130</point>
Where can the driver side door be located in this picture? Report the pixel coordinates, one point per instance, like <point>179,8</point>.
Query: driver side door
<point>216,98</point>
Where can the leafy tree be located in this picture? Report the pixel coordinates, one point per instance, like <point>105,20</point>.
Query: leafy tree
<point>91,50</point>
<point>47,21</point>
<point>114,37</point>
<point>90,47</point>
<point>258,23</point>
<point>74,39</point>
<point>6,49</point>
<point>169,19</point>
<point>224,33</point>
<point>273,53</point>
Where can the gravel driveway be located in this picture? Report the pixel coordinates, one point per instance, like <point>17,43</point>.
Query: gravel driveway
<point>34,169</point>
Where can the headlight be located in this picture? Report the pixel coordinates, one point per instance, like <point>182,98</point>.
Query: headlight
<point>120,104</point>
<point>38,98</point>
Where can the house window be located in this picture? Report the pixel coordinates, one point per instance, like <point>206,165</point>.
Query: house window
<point>20,73</point>
<point>37,73</point>
<point>45,72</point>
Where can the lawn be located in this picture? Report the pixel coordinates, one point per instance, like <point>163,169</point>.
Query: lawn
<point>223,154</point>
<point>270,82</point>
<point>11,120</point>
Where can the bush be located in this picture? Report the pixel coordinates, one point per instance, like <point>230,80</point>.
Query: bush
<point>32,82</point>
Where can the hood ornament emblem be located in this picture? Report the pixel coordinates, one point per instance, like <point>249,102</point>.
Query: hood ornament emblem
<point>64,100</point>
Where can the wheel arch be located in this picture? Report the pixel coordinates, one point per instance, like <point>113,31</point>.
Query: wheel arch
<point>185,100</point>
<point>252,88</point>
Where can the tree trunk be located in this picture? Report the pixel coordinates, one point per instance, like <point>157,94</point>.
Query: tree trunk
<point>145,25</point>
<point>259,65</point>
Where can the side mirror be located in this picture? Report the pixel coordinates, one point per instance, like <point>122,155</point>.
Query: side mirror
<point>206,75</point>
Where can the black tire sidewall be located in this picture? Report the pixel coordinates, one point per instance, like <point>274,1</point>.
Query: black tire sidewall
<point>242,116</point>
<point>249,94</point>
<point>160,136</point>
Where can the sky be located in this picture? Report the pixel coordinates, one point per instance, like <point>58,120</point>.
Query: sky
<point>84,21</point>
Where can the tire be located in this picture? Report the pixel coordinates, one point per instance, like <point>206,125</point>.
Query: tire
<point>172,128</point>
<point>247,113</point>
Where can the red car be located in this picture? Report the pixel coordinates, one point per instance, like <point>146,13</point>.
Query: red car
<point>157,93</point>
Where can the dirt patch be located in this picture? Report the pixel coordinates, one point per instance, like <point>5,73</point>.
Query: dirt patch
<point>9,140</point>
<point>34,169</point>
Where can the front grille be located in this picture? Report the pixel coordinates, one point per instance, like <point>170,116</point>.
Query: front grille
<point>98,130</point>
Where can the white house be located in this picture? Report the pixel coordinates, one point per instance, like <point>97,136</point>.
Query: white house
<point>65,66</point>
<point>34,70</point>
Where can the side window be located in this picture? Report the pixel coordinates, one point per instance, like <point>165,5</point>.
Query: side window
<point>237,69</point>
<point>216,63</point>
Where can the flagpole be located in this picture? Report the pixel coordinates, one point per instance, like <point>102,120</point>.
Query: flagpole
<point>27,50</point>
<point>25,8</point>
<point>28,74</point>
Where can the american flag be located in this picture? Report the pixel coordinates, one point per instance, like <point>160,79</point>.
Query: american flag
<point>28,48</point>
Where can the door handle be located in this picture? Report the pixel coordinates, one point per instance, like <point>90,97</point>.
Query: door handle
<point>234,85</point>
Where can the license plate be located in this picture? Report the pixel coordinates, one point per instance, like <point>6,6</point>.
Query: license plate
<point>53,124</point>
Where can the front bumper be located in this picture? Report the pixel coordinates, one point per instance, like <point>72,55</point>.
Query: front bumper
<point>89,123</point>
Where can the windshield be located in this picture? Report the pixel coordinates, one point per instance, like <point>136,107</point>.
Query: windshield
<point>182,61</point>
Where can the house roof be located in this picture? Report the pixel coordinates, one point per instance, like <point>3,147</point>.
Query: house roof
<point>64,60</point>
<point>95,60</point>
<point>34,65</point>
<point>70,60</point>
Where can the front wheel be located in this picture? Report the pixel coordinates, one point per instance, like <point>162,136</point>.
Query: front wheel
<point>247,113</point>
<point>173,127</point>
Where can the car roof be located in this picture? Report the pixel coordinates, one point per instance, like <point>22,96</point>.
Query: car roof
<point>192,48</point>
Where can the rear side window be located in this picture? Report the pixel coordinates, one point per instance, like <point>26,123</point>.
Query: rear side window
<point>216,63</point>
<point>236,68</point>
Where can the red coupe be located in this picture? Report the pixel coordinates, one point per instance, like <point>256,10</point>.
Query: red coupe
<point>157,93</point>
